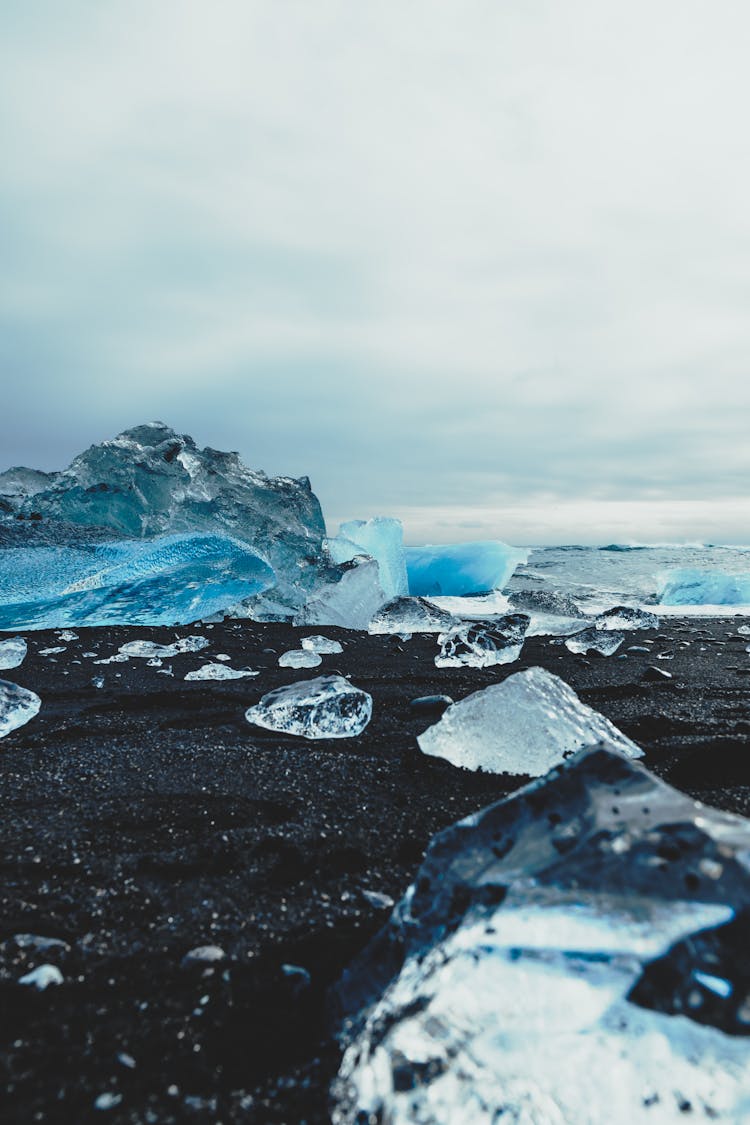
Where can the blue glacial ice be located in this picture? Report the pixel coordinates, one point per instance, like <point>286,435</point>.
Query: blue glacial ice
<point>704,587</point>
<point>382,538</point>
<point>169,580</point>
<point>461,569</point>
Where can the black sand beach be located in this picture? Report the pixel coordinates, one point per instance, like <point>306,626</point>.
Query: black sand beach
<point>146,817</point>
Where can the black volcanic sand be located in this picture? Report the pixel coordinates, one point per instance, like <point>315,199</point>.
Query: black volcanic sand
<point>147,817</point>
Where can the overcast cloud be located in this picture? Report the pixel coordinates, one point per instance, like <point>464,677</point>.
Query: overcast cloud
<point>484,265</point>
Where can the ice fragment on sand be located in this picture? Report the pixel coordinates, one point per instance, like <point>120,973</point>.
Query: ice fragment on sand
<point>17,706</point>
<point>461,568</point>
<point>219,672</point>
<point>68,635</point>
<point>527,724</point>
<point>410,615</point>
<point>349,601</point>
<point>548,602</point>
<point>320,644</point>
<point>203,955</point>
<point>116,658</point>
<point>704,587</point>
<point>603,641</point>
<point>575,953</point>
<point>52,651</point>
<point>382,539</point>
<point>175,579</point>
<point>481,644</point>
<point>299,658</point>
<point>626,617</point>
<point>150,649</point>
<point>42,977</point>
<point>12,652</point>
<point>327,707</point>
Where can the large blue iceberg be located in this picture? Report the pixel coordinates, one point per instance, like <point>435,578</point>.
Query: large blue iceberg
<point>169,580</point>
<point>382,538</point>
<point>460,569</point>
<point>704,587</point>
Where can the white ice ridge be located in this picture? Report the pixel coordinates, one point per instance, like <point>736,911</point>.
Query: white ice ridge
<point>17,706</point>
<point>525,725</point>
<point>12,652</point>
<point>326,707</point>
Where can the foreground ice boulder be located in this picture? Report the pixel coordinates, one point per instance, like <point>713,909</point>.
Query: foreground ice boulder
<point>704,587</point>
<point>13,652</point>
<point>326,707</point>
<point>382,538</point>
<point>525,725</point>
<point>17,706</point>
<point>410,615</point>
<point>482,644</point>
<point>174,579</point>
<point>577,953</point>
<point>461,568</point>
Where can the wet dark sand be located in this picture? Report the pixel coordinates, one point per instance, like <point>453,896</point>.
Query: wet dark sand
<point>147,817</point>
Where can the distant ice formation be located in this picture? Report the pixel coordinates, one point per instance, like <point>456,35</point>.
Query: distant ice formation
<point>461,568</point>
<point>170,580</point>
<point>326,707</point>
<point>574,953</point>
<point>704,587</point>
<point>525,725</point>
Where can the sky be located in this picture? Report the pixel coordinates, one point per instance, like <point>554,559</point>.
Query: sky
<point>483,265</point>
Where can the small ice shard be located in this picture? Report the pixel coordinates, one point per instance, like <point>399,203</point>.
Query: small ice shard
<point>382,539</point>
<point>461,568</point>
<point>379,900</point>
<point>17,706</point>
<point>52,651</point>
<point>481,644</point>
<point>323,645</point>
<point>744,630</point>
<point>603,641</point>
<point>349,602</point>
<point>327,707</point>
<point>150,649</point>
<point>13,652</point>
<point>525,725</point>
<point>573,955</point>
<point>704,587</point>
<point>39,943</point>
<point>68,635</point>
<point>98,682</point>
<point>204,955</point>
<point>299,658</point>
<point>154,662</point>
<point>116,658</point>
<point>223,656</point>
<point>108,1099</point>
<point>626,617</point>
<point>411,615</point>
<point>219,672</point>
<point>42,977</point>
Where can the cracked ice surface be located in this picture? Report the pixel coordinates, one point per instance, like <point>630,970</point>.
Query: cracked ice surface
<point>175,579</point>
<point>321,644</point>
<point>17,706</point>
<point>299,658</point>
<point>382,538</point>
<point>627,617</point>
<point>525,725</point>
<point>410,615</point>
<point>326,707</point>
<point>461,568</point>
<point>13,652</point>
<point>577,953</point>
<point>481,644</point>
<point>219,672</point>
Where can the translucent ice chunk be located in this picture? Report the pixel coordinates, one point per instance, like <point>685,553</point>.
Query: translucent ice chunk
<point>527,724</point>
<point>480,644</point>
<point>461,568</point>
<point>12,652</point>
<point>327,707</point>
<point>627,617</point>
<point>605,641</point>
<point>299,658</point>
<point>704,587</point>
<point>321,644</point>
<point>172,580</point>
<point>349,602</point>
<point>573,954</point>
<point>219,672</point>
<point>42,977</point>
<point>411,615</point>
<point>17,706</point>
<point>382,539</point>
<point>150,649</point>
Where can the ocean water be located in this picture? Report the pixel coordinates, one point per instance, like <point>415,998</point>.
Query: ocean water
<point>600,577</point>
